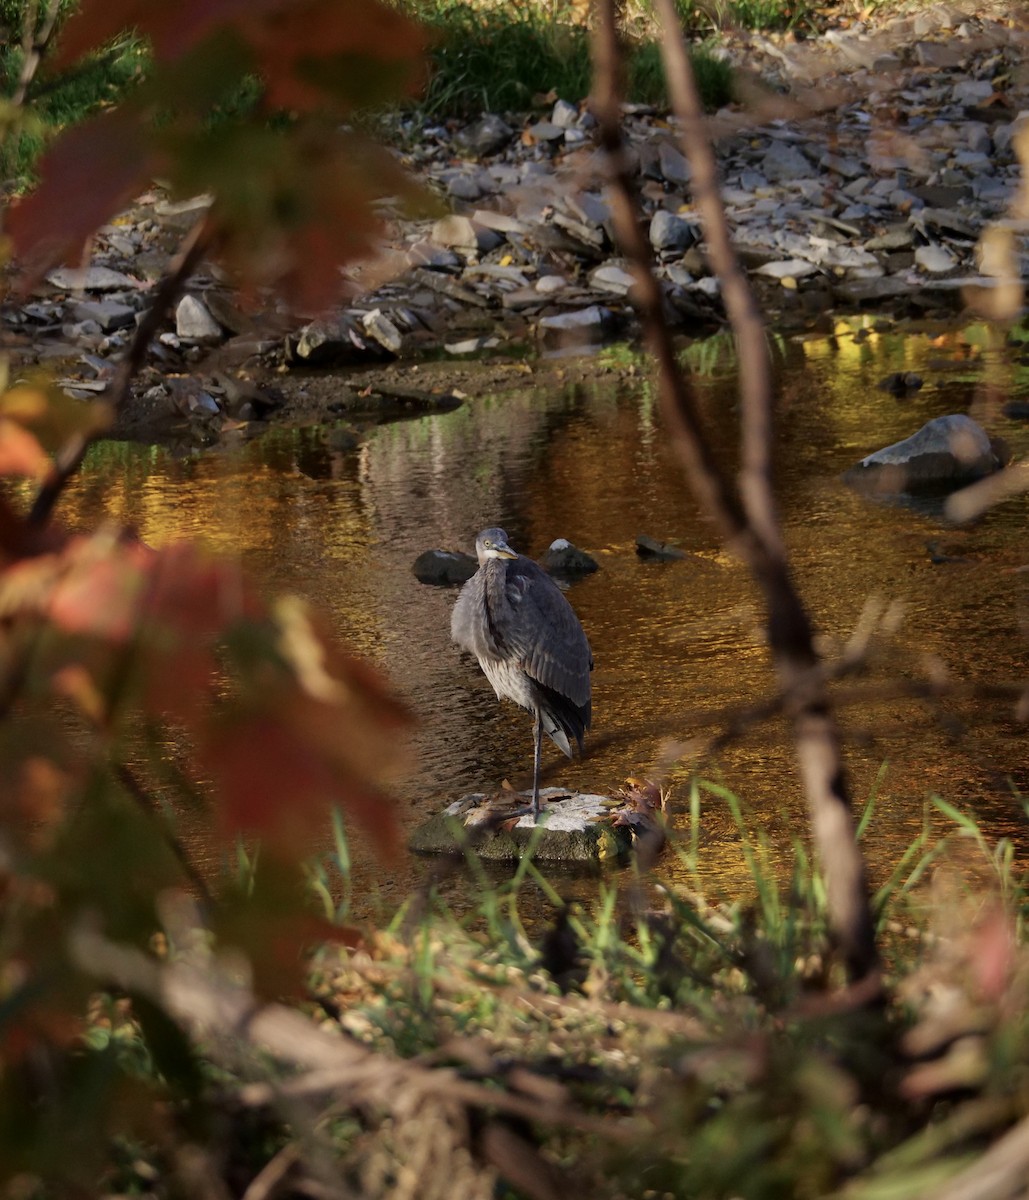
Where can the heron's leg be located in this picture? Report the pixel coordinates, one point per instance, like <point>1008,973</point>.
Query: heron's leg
<point>537,735</point>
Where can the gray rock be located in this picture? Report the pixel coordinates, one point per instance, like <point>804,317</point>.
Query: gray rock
<point>572,828</point>
<point>378,326</point>
<point>670,234</point>
<point>485,136</point>
<point>564,559</point>
<point>612,278</point>
<point>971,92</point>
<point>193,323</point>
<point>92,279</point>
<point>947,452</point>
<point>444,567</point>
<point>588,208</point>
<point>546,131</point>
<point>461,186</point>
<point>783,163</point>
<point>108,315</point>
<point>547,285</point>
<point>673,164</point>
<point>939,54</point>
<point>424,253</point>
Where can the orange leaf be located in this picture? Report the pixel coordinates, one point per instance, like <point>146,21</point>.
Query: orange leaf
<point>98,593</point>
<point>21,453</point>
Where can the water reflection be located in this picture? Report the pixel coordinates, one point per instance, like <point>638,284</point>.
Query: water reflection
<point>675,644</point>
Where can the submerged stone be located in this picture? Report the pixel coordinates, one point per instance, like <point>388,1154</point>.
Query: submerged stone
<point>572,828</point>
<point>947,452</point>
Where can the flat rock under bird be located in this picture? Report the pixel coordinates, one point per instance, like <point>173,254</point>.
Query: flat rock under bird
<point>516,621</point>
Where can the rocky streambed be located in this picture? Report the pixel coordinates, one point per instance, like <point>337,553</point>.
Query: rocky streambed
<point>866,169</point>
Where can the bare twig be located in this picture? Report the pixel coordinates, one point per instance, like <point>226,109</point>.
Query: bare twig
<point>35,38</point>
<point>748,518</point>
<point>192,250</point>
<point>233,1027</point>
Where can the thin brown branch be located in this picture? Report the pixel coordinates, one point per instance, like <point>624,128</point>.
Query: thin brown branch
<point>149,805</point>
<point>748,520</point>
<point>193,249</point>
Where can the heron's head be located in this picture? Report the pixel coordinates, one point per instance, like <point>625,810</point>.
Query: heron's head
<point>492,543</point>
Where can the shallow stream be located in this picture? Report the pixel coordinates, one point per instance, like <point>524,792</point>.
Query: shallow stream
<point>676,644</point>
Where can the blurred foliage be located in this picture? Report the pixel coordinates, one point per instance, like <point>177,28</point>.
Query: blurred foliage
<point>293,184</point>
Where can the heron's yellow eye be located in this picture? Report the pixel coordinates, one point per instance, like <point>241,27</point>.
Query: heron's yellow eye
<point>487,543</point>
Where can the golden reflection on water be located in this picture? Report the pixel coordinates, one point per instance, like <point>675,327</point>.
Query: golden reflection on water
<point>675,644</point>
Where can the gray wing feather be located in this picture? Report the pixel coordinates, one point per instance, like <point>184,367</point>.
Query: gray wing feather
<point>545,633</point>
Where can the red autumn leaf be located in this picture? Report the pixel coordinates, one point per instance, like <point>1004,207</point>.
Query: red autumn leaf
<point>21,453</point>
<point>88,174</point>
<point>272,782</point>
<point>172,28</point>
<point>298,51</point>
<point>292,211</point>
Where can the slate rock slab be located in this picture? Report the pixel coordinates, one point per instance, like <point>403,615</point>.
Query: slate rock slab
<point>569,831</point>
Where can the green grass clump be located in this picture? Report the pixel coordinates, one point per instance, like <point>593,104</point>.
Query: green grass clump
<point>502,59</point>
<point>55,104</point>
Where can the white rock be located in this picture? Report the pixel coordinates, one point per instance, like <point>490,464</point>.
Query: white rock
<point>381,328</point>
<point>564,115</point>
<point>193,323</point>
<point>548,284</point>
<point>793,268</point>
<point>92,279</point>
<point>594,317</point>
<point>935,259</point>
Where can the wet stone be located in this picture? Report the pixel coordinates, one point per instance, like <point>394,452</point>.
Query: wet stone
<point>568,561</point>
<point>947,452</point>
<point>444,567</point>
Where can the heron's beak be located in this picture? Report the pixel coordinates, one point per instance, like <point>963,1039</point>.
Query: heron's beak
<point>504,552</point>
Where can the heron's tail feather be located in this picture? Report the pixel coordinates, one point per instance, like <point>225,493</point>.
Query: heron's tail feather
<point>562,719</point>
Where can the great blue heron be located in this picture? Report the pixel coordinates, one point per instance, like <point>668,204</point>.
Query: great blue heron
<point>516,621</point>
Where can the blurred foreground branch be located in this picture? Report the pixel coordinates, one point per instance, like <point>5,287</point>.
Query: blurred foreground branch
<point>746,516</point>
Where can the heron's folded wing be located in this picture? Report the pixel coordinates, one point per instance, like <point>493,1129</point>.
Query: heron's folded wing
<point>546,633</point>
